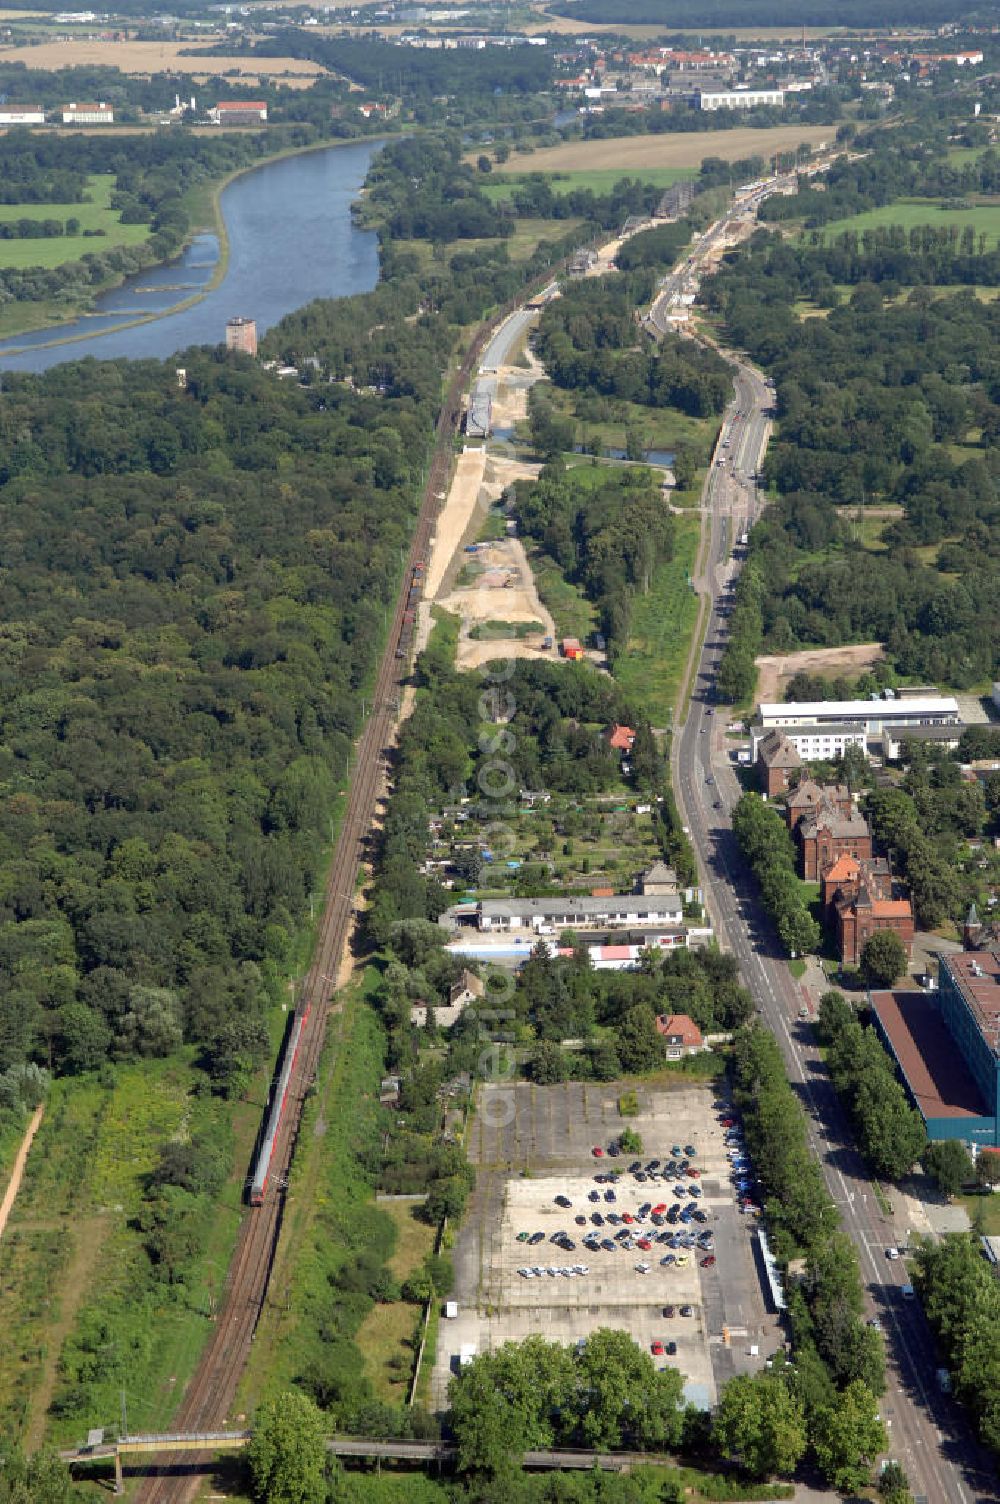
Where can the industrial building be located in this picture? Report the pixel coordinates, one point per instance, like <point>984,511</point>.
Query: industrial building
<point>946,1044</point>
<point>739,99</point>
<point>88,114</point>
<point>239,112</point>
<point>22,114</point>
<point>819,730</point>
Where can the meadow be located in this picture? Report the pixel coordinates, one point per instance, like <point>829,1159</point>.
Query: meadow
<point>911,212</point>
<point>600,181</point>
<point>94,216</point>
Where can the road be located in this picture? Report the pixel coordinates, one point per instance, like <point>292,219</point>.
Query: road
<point>927,1431</point>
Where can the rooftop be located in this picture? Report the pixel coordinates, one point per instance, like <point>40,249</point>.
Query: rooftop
<point>819,709</point>
<point>977,975</point>
<point>941,1083</point>
<point>597,908</point>
<point>778,752</point>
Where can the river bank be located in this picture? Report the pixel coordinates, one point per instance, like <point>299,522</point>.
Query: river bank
<point>204,206</point>
<point>282,234</point>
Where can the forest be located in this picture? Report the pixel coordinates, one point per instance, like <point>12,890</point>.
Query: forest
<point>418,73</point>
<point>888,401</point>
<point>187,632</point>
<point>588,341</point>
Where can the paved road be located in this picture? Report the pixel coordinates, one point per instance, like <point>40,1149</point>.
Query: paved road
<point>927,1432</point>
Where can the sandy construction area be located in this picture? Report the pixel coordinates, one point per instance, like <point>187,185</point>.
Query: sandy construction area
<point>455,516</point>
<point>676,149</point>
<point>774,671</point>
<point>156,57</point>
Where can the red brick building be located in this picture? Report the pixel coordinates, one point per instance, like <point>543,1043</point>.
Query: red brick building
<point>859,898</point>
<point>810,798</point>
<point>827,835</point>
<point>861,917</point>
<point>777,760</point>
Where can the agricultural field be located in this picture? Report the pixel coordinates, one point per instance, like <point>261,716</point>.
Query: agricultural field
<point>94,216</point>
<point>631,154</point>
<point>600,181</point>
<point>911,212</point>
<point>134,57</point>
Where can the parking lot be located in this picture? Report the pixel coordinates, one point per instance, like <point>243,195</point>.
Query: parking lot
<point>531,1144</point>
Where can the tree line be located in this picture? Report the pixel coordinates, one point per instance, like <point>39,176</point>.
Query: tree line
<point>765,842</point>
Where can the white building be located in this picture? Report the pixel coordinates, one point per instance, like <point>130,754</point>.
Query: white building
<point>88,114</point>
<point>23,114</point>
<point>819,729</point>
<point>739,99</point>
<point>546,916</point>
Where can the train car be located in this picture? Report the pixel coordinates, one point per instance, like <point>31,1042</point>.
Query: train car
<point>262,1165</point>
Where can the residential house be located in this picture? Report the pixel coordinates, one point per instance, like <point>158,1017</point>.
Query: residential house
<point>680,1034</point>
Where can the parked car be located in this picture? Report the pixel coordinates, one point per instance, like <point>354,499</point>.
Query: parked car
<point>671,1349</point>
<point>656,1348</point>
<point>597,1152</point>
<point>563,1201</point>
<point>687,1310</point>
<point>708,1261</point>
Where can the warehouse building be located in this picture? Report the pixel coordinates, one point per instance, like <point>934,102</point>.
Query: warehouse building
<point>946,1044</point>
<point>739,99</point>
<point>819,730</point>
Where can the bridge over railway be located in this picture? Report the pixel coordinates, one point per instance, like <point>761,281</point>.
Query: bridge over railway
<point>204,1445</point>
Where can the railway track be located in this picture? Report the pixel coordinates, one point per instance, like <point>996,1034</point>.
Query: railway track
<point>210,1394</point>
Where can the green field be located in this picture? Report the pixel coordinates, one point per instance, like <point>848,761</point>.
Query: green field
<point>910,212</point>
<point>651,668</point>
<point>599,180</point>
<point>95,215</point>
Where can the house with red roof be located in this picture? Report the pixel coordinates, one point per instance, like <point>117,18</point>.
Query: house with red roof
<point>680,1034</point>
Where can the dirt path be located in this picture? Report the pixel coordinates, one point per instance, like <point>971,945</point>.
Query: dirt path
<point>774,670</point>
<point>20,1160</point>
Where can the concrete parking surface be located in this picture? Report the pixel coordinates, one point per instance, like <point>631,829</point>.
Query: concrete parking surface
<point>531,1144</point>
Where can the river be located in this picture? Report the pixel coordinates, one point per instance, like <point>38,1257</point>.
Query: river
<point>291,239</point>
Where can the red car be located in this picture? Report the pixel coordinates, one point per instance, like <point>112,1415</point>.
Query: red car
<point>597,1152</point>
<point>644,1244</point>
<point>694,1174</point>
<point>627,1217</point>
<point>728,1122</point>
<point>660,1209</point>
<point>708,1261</point>
<point>656,1348</point>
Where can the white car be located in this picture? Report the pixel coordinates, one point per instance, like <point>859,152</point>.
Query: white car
<point>892,1253</point>
<point>642,1268</point>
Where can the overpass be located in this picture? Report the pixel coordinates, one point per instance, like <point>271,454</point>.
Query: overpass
<point>204,1444</point>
